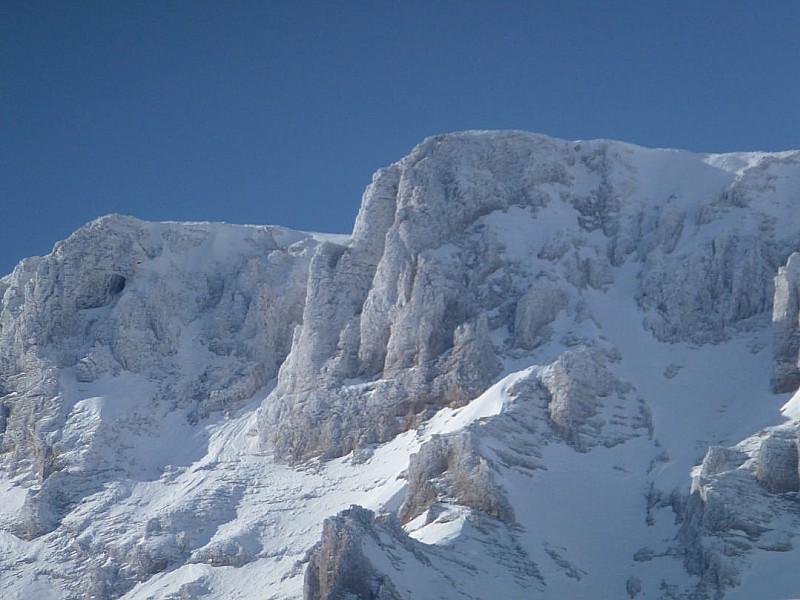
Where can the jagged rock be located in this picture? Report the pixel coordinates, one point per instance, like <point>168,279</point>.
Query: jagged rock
<point>576,384</point>
<point>719,459</point>
<point>776,464</point>
<point>409,295</point>
<point>118,297</point>
<point>738,494</point>
<point>32,415</point>
<point>786,326</point>
<point>450,468</point>
<point>361,555</point>
<point>435,275</point>
<point>338,566</point>
<point>228,553</point>
<point>469,366</point>
<point>132,359</point>
<point>425,261</point>
<point>537,308</point>
<point>698,296</point>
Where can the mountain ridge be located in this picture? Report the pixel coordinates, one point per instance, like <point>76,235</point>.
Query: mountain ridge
<point>515,318</point>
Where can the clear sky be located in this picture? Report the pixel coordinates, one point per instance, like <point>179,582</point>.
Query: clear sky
<point>279,112</point>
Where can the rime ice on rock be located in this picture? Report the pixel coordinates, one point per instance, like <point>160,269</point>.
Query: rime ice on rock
<point>786,326</point>
<point>511,309</point>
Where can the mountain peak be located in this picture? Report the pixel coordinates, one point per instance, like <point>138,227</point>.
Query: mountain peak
<point>539,366</point>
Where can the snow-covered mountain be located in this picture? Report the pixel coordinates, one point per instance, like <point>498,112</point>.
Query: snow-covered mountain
<point>536,369</point>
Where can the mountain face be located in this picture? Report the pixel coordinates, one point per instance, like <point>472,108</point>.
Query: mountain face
<point>536,369</point>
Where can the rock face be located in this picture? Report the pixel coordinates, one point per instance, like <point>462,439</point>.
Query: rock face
<point>451,468</point>
<point>205,313</point>
<point>338,567</point>
<point>739,495</point>
<point>514,363</point>
<point>431,289</point>
<point>577,384</point>
<point>786,326</point>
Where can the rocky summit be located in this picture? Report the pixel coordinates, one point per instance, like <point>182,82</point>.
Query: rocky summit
<point>535,369</point>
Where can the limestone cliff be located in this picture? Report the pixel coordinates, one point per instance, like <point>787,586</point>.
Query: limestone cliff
<point>536,362</point>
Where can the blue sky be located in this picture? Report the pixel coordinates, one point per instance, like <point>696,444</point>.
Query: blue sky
<point>279,112</point>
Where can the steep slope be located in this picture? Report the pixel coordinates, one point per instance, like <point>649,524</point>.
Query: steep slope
<point>542,367</point>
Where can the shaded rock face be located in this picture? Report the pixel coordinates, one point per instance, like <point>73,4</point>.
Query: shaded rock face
<point>580,401</point>
<point>699,296</point>
<point>776,464</point>
<point>450,468</point>
<point>576,384</point>
<point>536,310</point>
<point>725,280</point>
<point>338,567</point>
<point>738,499</point>
<point>786,326</point>
<point>719,459</point>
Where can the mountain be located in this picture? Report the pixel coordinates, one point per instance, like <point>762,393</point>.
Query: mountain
<point>536,369</point>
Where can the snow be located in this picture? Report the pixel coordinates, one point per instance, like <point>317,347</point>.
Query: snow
<point>791,410</point>
<point>489,403</point>
<point>244,521</point>
<point>719,394</point>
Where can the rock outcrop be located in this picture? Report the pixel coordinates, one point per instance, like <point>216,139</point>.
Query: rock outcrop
<point>786,326</point>
<point>451,469</point>
<point>436,252</point>
<point>338,566</point>
<point>738,497</point>
<point>202,313</point>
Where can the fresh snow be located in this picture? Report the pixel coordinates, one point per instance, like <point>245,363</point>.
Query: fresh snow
<point>593,521</point>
